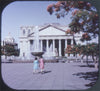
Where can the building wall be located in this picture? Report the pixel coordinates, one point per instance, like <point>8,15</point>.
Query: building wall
<point>47,33</point>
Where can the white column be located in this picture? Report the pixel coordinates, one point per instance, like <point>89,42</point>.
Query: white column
<point>41,45</point>
<point>21,53</point>
<point>59,47</point>
<point>72,42</point>
<point>71,46</point>
<point>33,46</point>
<point>65,46</point>
<point>28,51</point>
<point>54,53</point>
<point>53,45</point>
<point>47,45</point>
<point>65,43</point>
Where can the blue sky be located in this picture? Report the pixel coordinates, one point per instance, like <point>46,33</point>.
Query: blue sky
<point>27,13</point>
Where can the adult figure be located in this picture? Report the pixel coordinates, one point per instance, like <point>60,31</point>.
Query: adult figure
<point>41,61</point>
<point>36,65</point>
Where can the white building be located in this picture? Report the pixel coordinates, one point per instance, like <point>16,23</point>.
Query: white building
<point>8,40</point>
<point>53,40</point>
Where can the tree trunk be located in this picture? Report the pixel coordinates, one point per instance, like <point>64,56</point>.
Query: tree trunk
<point>95,61</point>
<point>76,57</point>
<point>87,60</point>
<point>93,58</point>
<point>96,64</point>
<point>82,56</point>
<point>96,57</point>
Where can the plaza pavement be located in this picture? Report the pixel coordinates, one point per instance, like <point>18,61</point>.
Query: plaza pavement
<point>57,76</point>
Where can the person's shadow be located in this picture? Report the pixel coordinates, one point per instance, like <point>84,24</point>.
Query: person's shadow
<point>44,72</point>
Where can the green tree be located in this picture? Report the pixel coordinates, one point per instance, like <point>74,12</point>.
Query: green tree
<point>2,50</point>
<point>87,50</point>
<point>93,51</point>
<point>10,50</point>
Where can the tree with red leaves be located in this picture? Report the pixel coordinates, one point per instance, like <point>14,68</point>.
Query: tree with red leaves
<point>84,17</point>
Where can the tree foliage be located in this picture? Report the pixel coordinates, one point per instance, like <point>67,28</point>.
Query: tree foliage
<point>83,15</point>
<point>9,50</point>
<point>2,50</point>
<point>86,50</point>
<point>84,18</point>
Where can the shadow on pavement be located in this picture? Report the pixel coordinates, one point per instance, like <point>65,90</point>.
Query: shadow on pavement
<point>91,66</point>
<point>44,72</point>
<point>92,76</point>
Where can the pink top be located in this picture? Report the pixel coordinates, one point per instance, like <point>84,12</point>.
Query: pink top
<point>41,63</point>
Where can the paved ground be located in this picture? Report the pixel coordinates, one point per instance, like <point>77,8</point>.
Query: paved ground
<point>57,76</point>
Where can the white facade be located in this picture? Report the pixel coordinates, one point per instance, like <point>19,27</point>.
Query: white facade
<point>53,40</point>
<point>9,39</point>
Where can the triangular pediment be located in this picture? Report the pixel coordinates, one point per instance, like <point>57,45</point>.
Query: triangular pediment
<point>50,30</point>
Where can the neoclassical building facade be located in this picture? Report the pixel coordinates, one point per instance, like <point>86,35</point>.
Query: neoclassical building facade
<point>53,40</point>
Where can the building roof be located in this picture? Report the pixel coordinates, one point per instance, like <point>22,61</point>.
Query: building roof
<point>57,26</point>
<point>9,39</point>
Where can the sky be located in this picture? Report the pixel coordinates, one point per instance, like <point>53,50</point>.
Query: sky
<point>27,13</point>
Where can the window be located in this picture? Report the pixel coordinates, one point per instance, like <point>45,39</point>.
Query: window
<point>31,42</point>
<point>23,54</point>
<point>23,32</point>
<point>69,41</point>
<point>29,31</point>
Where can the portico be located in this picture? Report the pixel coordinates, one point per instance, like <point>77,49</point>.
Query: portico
<point>53,40</point>
<point>55,44</point>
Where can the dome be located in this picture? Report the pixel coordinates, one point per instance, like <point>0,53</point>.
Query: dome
<point>9,39</point>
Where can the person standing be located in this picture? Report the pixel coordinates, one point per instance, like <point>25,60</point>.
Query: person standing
<point>36,65</point>
<point>41,62</point>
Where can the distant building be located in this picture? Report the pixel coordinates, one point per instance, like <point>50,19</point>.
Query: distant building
<point>9,40</point>
<point>53,40</point>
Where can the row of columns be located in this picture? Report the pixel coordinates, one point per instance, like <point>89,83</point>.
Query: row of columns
<point>53,42</point>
